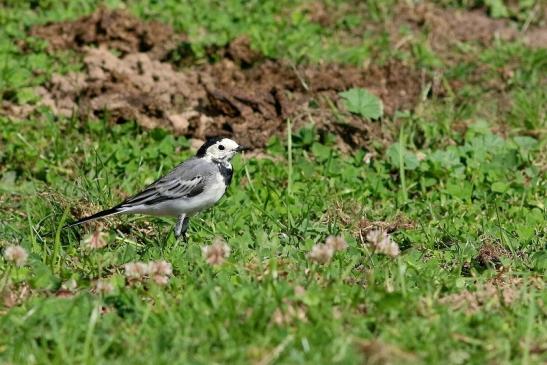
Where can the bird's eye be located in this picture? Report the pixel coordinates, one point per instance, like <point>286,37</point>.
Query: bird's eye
<point>221,147</point>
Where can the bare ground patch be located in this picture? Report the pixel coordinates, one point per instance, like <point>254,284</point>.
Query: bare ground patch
<point>445,27</point>
<point>457,37</point>
<point>113,29</point>
<point>126,76</point>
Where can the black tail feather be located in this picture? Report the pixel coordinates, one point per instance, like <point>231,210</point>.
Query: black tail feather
<point>104,213</point>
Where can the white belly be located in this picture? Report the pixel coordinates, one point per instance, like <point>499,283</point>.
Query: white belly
<point>188,206</point>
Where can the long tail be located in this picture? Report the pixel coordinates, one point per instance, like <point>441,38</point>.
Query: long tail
<point>102,214</point>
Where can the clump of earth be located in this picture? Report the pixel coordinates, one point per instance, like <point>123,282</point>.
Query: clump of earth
<point>128,75</point>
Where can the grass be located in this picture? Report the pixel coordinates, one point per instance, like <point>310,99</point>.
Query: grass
<point>460,189</point>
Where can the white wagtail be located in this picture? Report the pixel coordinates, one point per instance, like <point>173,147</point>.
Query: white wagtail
<point>191,187</point>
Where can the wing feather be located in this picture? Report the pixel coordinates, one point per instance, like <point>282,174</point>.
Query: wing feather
<point>185,181</point>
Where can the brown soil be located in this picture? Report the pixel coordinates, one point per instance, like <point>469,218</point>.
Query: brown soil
<point>255,102</point>
<point>445,27</point>
<point>131,87</point>
<point>242,95</point>
<point>491,253</point>
<point>113,29</point>
<point>127,76</point>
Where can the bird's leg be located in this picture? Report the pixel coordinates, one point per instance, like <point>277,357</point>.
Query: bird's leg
<point>182,226</point>
<point>185,224</point>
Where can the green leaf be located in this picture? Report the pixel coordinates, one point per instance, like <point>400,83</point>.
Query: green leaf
<point>362,102</point>
<point>525,232</point>
<point>460,189</point>
<point>540,260</point>
<point>525,144</point>
<point>320,151</point>
<point>409,159</point>
<point>446,159</point>
<point>500,187</point>
<point>497,8</point>
<point>43,278</point>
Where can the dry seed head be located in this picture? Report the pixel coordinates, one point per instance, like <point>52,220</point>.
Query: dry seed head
<point>321,254</point>
<point>11,295</point>
<point>392,250</point>
<point>161,267</point>
<point>338,243</point>
<point>96,240</point>
<point>216,253</point>
<point>157,271</point>
<point>136,270</point>
<point>292,313</point>
<point>103,287</point>
<point>160,279</point>
<point>382,243</point>
<point>376,237</point>
<point>16,254</point>
<point>278,317</point>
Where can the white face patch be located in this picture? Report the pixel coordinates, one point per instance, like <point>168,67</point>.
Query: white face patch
<point>224,150</point>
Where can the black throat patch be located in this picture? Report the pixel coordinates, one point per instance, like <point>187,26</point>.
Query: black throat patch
<point>226,171</point>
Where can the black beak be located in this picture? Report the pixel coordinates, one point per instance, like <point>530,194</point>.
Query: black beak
<point>242,148</point>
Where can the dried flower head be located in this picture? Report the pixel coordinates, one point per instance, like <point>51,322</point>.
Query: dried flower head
<point>157,271</point>
<point>278,317</point>
<point>376,237</point>
<point>292,312</point>
<point>392,249</point>
<point>160,279</point>
<point>13,295</point>
<point>321,253</point>
<point>160,271</point>
<point>16,254</point>
<point>103,287</point>
<point>161,267</point>
<point>338,243</point>
<point>136,270</point>
<point>216,253</point>
<point>381,242</point>
<point>96,240</point>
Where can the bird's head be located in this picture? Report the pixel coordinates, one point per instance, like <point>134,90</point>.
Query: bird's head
<point>220,149</point>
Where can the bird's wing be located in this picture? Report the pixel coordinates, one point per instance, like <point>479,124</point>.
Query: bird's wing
<point>185,181</point>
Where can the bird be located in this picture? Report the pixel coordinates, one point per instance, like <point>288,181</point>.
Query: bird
<point>191,187</point>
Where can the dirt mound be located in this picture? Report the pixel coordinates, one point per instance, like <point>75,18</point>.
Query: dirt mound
<point>113,29</point>
<point>256,102</point>
<point>133,87</point>
<point>243,94</point>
